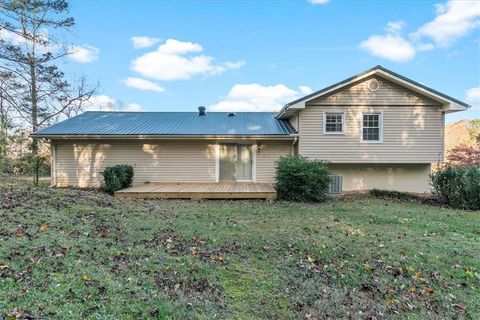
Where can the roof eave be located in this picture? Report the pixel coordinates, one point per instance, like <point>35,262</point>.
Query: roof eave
<point>151,137</point>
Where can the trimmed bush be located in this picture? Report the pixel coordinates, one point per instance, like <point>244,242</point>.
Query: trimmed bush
<point>301,179</point>
<point>458,187</point>
<point>117,177</point>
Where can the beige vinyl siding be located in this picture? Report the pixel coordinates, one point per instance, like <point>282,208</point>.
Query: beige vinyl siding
<point>294,121</point>
<point>388,93</point>
<point>79,163</point>
<point>269,152</point>
<point>411,133</point>
<point>398,177</point>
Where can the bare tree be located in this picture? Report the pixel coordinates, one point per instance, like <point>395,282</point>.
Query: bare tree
<point>30,51</point>
<point>7,111</point>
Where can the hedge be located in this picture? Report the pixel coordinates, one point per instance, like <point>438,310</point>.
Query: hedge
<point>458,187</point>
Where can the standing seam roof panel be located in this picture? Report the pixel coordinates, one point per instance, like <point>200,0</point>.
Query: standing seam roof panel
<point>170,123</point>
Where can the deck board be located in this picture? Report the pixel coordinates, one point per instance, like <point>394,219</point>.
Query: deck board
<point>196,191</point>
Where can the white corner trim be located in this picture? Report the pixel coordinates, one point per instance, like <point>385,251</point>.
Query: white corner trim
<point>380,127</point>
<point>325,122</point>
<point>53,165</point>
<point>254,162</point>
<point>217,162</point>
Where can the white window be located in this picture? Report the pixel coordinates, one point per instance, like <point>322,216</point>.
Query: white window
<point>333,122</point>
<point>372,124</point>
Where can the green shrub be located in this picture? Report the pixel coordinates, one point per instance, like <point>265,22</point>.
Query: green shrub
<point>117,177</point>
<point>301,179</point>
<point>458,187</point>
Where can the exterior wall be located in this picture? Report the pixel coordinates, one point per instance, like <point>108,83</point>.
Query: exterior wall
<point>398,177</point>
<point>294,120</point>
<point>268,153</point>
<point>79,162</point>
<point>412,126</point>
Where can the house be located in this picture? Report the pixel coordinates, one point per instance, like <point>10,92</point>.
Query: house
<point>377,129</point>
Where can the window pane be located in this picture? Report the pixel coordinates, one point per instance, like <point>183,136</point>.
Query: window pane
<point>333,122</point>
<point>371,134</point>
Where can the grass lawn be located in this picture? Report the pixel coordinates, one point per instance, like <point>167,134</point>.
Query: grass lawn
<point>71,254</point>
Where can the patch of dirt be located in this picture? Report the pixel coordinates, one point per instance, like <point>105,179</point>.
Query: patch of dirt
<point>189,289</point>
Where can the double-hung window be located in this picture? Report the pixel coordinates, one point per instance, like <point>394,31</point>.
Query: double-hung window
<point>334,122</point>
<point>372,127</point>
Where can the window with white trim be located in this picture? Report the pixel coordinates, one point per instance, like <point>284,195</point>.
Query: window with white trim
<point>334,122</point>
<point>372,127</point>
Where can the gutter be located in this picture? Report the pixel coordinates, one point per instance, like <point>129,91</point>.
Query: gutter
<point>173,137</point>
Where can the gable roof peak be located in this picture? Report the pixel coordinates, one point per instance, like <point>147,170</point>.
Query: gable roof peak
<point>449,104</point>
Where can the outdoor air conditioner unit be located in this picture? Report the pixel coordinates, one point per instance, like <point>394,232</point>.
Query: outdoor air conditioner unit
<point>335,184</point>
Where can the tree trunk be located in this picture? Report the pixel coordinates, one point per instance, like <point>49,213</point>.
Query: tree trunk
<point>34,100</point>
<point>33,96</point>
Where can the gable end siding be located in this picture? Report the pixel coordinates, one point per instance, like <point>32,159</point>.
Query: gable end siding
<point>388,93</point>
<point>412,127</point>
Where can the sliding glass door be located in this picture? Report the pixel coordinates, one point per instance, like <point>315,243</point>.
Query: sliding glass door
<point>235,162</point>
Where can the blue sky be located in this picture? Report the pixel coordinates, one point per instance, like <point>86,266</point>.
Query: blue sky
<point>256,56</point>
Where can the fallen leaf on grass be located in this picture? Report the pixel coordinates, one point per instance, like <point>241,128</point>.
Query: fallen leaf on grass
<point>428,292</point>
<point>19,233</point>
<point>86,278</point>
<point>198,240</point>
<point>43,227</point>
<point>469,273</point>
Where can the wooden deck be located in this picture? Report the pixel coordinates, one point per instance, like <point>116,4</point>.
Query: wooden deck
<point>198,191</point>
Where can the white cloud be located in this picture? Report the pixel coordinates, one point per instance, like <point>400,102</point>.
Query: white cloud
<point>83,54</point>
<point>473,97</point>
<point>318,1</point>
<point>391,47</point>
<point>16,39</point>
<point>305,90</point>
<point>106,103</point>
<point>454,20</point>
<point>141,42</point>
<point>395,26</point>
<point>255,97</point>
<point>133,107</point>
<point>176,60</point>
<point>100,103</point>
<point>143,84</point>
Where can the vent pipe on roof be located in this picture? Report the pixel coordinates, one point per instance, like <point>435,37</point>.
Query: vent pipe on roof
<point>202,111</point>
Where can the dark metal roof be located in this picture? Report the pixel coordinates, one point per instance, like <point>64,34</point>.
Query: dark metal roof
<point>378,67</point>
<point>171,123</point>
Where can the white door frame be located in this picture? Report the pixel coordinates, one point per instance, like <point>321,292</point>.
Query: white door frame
<point>254,160</point>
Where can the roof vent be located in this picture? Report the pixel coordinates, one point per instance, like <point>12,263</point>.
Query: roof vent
<point>231,114</point>
<point>202,111</point>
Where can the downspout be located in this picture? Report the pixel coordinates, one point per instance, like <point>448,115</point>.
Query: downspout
<point>293,145</point>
